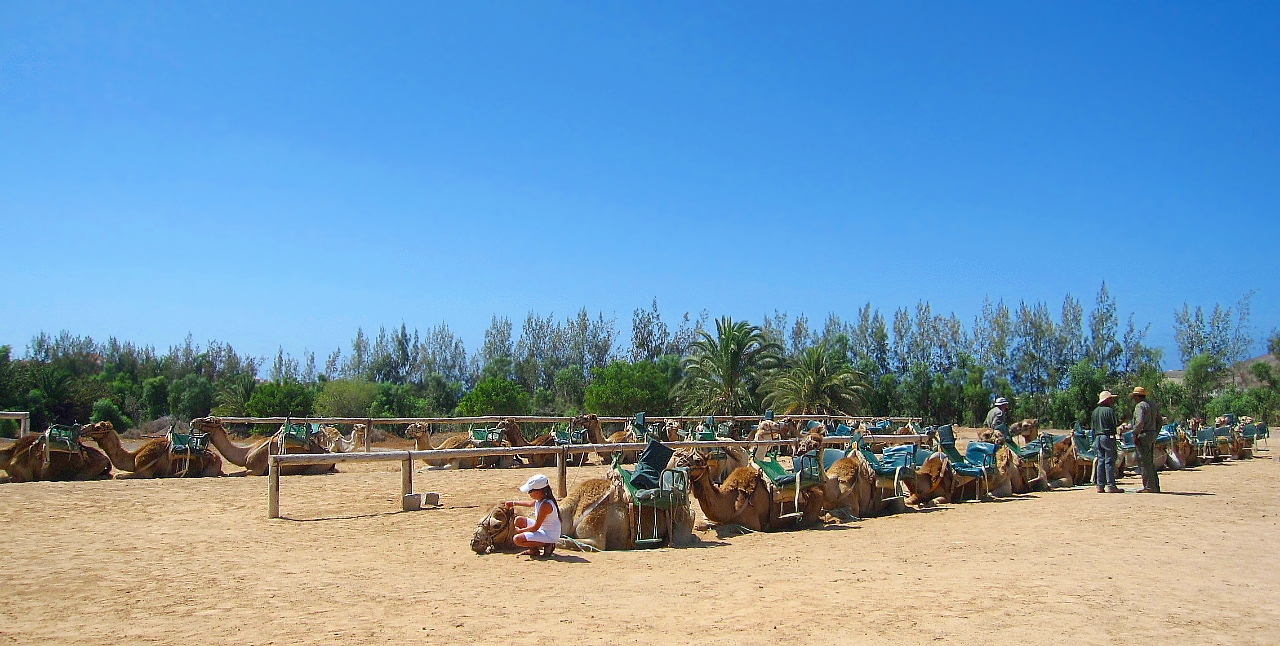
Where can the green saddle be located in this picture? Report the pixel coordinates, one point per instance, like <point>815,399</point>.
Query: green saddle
<point>486,437</point>
<point>188,442</point>
<point>298,435</point>
<point>62,439</point>
<point>651,484</point>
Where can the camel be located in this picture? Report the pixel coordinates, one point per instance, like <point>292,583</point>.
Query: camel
<point>597,515</point>
<point>744,498</point>
<point>1060,464</point>
<point>721,461</point>
<point>336,442</point>
<point>672,430</point>
<point>28,460</point>
<point>1029,429</point>
<point>421,434</point>
<point>591,423</point>
<point>935,480</point>
<point>1182,451</point>
<point>515,437</point>
<point>154,459</point>
<point>254,458</point>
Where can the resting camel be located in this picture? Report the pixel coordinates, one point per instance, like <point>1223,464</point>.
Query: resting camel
<point>515,436</point>
<point>597,514</point>
<point>254,458</point>
<point>421,434</point>
<point>1061,465</point>
<point>155,458</point>
<point>27,461</point>
<point>595,434</point>
<point>1182,451</point>
<point>721,461</point>
<point>935,480</point>
<point>671,429</point>
<point>1029,429</point>
<point>743,498</point>
<point>336,442</point>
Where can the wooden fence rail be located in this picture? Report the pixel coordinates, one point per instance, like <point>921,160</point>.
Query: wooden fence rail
<point>23,417</point>
<point>406,458</point>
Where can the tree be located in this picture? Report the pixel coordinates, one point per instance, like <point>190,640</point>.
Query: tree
<point>1204,375</point>
<point>345,398</point>
<point>1104,350</point>
<point>280,399</point>
<point>105,410</point>
<point>817,381</point>
<point>397,400</point>
<point>191,397</point>
<point>233,395</point>
<point>722,372</point>
<point>155,396</point>
<point>1273,344</point>
<point>623,388</point>
<point>495,396</point>
<point>1224,335</point>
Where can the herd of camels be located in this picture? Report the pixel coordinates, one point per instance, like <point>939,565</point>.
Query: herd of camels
<point>728,483</point>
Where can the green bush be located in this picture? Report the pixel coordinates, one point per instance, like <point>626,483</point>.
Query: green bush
<point>105,410</point>
<point>345,398</point>
<point>495,396</point>
<point>622,388</point>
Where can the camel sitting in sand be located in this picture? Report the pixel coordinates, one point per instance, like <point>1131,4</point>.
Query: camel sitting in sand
<point>515,437</point>
<point>335,442</point>
<point>744,498</point>
<point>935,480</point>
<point>254,457</point>
<point>720,461</point>
<point>421,434</point>
<point>32,459</point>
<point>595,434</point>
<point>1028,429</point>
<point>597,515</point>
<point>157,458</point>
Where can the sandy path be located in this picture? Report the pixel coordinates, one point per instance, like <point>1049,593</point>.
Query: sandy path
<point>196,561</point>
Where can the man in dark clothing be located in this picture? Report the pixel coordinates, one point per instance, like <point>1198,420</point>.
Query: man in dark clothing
<point>1104,444</point>
<point>1146,427</point>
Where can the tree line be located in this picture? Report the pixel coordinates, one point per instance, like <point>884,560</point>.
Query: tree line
<point>1050,361</point>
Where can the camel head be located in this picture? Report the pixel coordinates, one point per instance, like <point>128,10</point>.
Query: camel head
<point>810,442</point>
<point>495,530</point>
<point>991,436</point>
<point>691,459</point>
<point>1062,459</point>
<point>510,429</point>
<point>207,424</point>
<point>671,429</point>
<point>97,430</point>
<point>416,429</point>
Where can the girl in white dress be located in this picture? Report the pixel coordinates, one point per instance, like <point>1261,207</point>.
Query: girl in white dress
<point>539,532</point>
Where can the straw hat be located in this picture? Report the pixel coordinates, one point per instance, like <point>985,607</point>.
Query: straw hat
<point>1106,396</point>
<point>1001,401</point>
<point>1138,391</point>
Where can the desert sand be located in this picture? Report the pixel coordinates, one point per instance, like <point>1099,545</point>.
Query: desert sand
<point>197,561</point>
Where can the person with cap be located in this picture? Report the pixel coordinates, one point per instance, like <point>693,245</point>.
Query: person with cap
<point>539,532</point>
<point>1146,427</point>
<point>999,414</point>
<point>1104,443</point>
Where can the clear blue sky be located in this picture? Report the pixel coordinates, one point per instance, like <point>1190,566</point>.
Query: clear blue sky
<point>282,174</point>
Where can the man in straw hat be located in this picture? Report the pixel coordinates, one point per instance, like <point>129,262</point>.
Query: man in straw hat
<point>1146,426</point>
<point>1104,443</point>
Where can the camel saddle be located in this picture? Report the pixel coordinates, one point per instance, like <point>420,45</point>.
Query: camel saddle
<point>298,436</point>
<point>62,439</point>
<point>652,484</point>
<point>187,443</point>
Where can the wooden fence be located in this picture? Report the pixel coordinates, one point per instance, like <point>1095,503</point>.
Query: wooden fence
<point>23,417</point>
<point>406,458</point>
<point>494,419</point>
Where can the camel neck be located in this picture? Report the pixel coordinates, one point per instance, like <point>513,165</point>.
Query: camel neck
<point>120,457</point>
<point>234,454</point>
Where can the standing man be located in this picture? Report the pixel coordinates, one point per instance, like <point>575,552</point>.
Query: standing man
<point>999,414</point>
<point>1104,443</point>
<point>1146,426</point>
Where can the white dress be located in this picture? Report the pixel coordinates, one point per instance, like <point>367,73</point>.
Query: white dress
<point>550,530</point>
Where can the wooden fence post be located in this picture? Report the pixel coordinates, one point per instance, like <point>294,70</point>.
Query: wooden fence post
<point>406,482</point>
<point>368,432</point>
<point>273,488</point>
<point>562,472</point>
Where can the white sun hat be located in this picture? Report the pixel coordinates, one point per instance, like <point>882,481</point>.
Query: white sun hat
<point>1001,401</point>
<point>535,482</point>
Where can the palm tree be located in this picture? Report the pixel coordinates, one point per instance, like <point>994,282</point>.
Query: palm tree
<point>817,382</point>
<point>721,374</point>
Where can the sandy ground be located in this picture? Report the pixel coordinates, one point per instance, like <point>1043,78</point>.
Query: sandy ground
<point>197,561</point>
